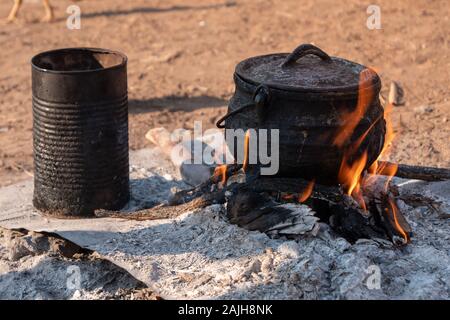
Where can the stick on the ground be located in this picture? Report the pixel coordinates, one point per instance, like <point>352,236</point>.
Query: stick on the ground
<point>167,211</point>
<point>418,172</point>
<point>183,201</point>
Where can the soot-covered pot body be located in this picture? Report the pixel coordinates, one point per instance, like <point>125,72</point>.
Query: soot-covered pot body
<point>313,100</point>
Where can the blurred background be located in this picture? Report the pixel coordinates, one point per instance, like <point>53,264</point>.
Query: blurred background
<point>182,56</point>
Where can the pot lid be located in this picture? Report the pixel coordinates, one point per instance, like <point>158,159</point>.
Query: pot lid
<point>307,69</point>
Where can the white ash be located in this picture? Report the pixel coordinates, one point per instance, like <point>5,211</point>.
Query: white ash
<point>201,255</point>
<point>32,268</point>
<point>153,179</point>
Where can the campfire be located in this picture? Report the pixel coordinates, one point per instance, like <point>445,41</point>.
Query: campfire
<point>359,203</point>
<point>332,142</point>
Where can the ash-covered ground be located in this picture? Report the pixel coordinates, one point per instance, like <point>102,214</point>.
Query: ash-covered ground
<point>201,255</point>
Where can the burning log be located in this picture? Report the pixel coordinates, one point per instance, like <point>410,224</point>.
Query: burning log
<point>251,210</point>
<point>264,203</point>
<point>257,205</point>
<point>270,205</point>
<point>395,225</point>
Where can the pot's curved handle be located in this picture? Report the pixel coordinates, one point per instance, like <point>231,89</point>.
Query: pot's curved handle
<point>219,123</point>
<point>303,50</point>
<point>260,98</point>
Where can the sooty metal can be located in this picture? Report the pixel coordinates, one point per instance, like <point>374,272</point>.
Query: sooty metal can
<point>80,131</point>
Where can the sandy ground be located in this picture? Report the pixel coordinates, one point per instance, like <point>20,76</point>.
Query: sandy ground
<point>182,55</point>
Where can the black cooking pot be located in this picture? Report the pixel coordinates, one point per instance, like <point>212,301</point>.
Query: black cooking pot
<point>310,97</point>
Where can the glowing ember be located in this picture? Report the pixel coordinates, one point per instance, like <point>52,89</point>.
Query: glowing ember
<point>306,192</point>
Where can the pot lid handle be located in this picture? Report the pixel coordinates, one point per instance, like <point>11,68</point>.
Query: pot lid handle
<point>303,50</point>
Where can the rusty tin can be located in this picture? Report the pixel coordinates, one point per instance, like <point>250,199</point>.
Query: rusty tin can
<point>80,131</point>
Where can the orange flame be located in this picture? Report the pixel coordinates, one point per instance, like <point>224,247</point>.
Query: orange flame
<point>352,166</point>
<point>288,196</point>
<point>306,193</point>
<point>394,210</point>
<point>387,169</point>
<point>352,118</point>
<point>357,194</point>
<point>221,172</point>
<point>246,150</point>
<point>350,173</point>
<point>351,169</point>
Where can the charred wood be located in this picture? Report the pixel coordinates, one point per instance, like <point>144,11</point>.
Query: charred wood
<point>418,172</point>
<point>255,203</point>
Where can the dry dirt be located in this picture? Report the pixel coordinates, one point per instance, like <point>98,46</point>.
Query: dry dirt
<point>182,55</point>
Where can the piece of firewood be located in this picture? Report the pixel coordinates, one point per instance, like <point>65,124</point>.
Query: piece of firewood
<point>295,185</point>
<point>253,210</point>
<point>417,172</point>
<point>393,222</point>
<point>259,212</point>
<point>331,205</point>
<point>166,211</point>
<point>349,220</point>
<point>206,194</point>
